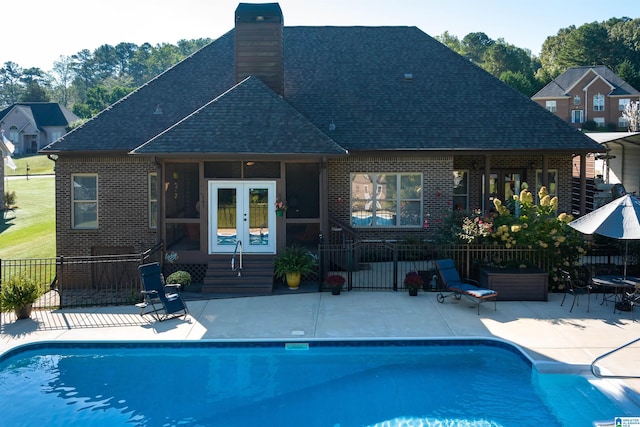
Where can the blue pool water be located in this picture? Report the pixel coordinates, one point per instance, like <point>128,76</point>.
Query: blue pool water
<point>318,383</point>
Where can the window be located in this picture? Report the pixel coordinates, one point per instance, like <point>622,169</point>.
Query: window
<point>622,122</point>
<point>622,103</point>
<point>552,106</point>
<point>598,102</point>
<point>576,116</point>
<point>599,121</point>
<point>397,201</point>
<point>56,134</point>
<point>461,190</point>
<point>576,100</point>
<point>153,200</point>
<point>84,196</point>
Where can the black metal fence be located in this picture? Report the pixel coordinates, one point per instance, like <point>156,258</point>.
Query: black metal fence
<point>366,265</point>
<point>82,281</point>
<point>383,265</point>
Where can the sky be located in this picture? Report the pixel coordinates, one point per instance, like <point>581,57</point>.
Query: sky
<point>50,29</point>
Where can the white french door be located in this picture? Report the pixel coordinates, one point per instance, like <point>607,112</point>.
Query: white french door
<point>242,211</point>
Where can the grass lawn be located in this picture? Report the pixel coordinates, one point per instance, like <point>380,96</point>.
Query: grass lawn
<point>38,165</point>
<point>29,231</point>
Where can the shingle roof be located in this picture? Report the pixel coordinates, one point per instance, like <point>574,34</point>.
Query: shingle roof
<point>43,113</point>
<point>265,123</point>
<point>562,84</point>
<point>354,79</point>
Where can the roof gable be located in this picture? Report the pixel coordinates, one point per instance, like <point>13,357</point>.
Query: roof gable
<point>248,119</point>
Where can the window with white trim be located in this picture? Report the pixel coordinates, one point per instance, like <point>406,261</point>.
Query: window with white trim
<point>576,100</point>
<point>397,201</point>
<point>153,200</point>
<point>622,103</point>
<point>461,190</point>
<point>598,102</point>
<point>552,106</point>
<point>84,200</point>
<point>599,121</point>
<point>577,116</point>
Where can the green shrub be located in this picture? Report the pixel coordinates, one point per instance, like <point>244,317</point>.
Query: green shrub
<point>17,292</point>
<point>181,277</point>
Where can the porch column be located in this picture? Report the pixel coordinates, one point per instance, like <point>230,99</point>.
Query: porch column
<point>545,172</point>
<point>324,200</point>
<point>583,184</point>
<point>487,186</point>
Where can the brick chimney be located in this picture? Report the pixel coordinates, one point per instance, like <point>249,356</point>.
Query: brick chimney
<point>258,44</point>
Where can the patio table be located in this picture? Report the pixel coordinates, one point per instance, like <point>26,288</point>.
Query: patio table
<point>616,286</point>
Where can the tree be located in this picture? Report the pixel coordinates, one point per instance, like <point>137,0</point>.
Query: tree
<point>628,73</point>
<point>474,45</point>
<point>450,41</point>
<point>587,45</point>
<point>519,82</point>
<point>34,80</point>
<point>12,86</point>
<point>62,76</point>
<point>501,57</point>
<point>631,114</point>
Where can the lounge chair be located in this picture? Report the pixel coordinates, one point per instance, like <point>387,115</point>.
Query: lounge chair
<point>164,299</point>
<point>458,287</point>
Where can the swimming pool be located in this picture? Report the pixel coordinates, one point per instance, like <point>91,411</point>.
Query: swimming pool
<point>470,382</point>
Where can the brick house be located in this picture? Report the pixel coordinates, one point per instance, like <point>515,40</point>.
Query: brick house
<point>32,125</point>
<point>379,129</point>
<point>588,93</point>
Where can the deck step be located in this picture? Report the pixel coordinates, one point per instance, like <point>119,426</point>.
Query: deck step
<point>255,276</point>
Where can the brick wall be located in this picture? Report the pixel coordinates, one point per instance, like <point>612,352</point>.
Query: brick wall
<point>123,219</point>
<point>438,184</point>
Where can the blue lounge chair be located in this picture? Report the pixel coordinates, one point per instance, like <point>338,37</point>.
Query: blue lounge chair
<point>458,287</point>
<point>164,299</point>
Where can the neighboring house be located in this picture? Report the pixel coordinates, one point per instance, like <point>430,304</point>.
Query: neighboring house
<point>588,93</point>
<point>380,129</point>
<point>32,125</point>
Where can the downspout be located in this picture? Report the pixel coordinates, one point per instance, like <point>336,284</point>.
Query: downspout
<point>161,208</point>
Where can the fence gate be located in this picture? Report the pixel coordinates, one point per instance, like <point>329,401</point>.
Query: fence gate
<point>376,264</point>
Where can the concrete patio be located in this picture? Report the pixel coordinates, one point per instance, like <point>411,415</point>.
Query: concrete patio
<point>547,332</point>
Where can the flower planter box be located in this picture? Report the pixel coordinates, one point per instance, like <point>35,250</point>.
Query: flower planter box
<point>516,284</point>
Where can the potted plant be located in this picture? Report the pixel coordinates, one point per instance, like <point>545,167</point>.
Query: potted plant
<point>18,294</point>
<point>183,278</point>
<point>281,206</point>
<point>413,282</point>
<point>292,263</point>
<point>335,282</point>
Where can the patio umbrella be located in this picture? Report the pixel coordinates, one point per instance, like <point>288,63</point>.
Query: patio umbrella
<point>619,219</point>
